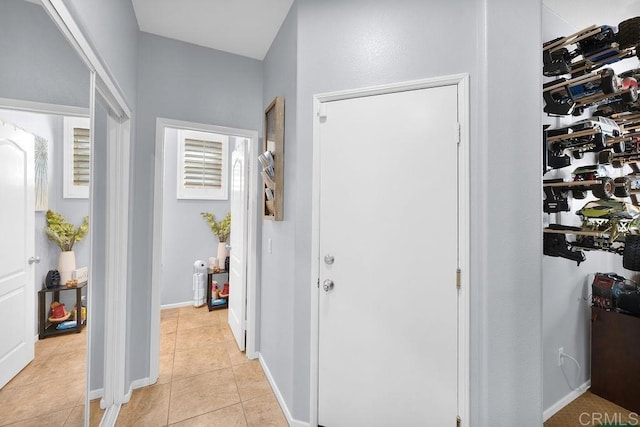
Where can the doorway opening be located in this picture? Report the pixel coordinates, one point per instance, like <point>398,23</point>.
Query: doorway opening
<point>46,123</point>
<point>177,219</point>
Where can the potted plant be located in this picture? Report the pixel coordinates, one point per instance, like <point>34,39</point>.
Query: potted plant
<point>65,235</point>
<point>221,229</point>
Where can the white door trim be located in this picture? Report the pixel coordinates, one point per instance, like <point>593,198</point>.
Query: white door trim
<point>42,108</point>
<point>462,83</point>
<point>104,88</point>
<point>252,251</point>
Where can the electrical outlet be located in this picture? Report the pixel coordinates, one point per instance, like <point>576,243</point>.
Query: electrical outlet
<point>560,356</point>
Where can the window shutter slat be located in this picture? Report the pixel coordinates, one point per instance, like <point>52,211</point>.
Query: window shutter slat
<point>81,156</point>
<point>202,163</point>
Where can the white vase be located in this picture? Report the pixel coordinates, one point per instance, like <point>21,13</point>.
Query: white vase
<point>66,266</point>
<point>222,254</point>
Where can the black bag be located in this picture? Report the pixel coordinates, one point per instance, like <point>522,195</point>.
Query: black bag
<point>629,302</point>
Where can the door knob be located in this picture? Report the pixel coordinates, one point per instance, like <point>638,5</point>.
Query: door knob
<point>34,260</point>
<point>327,285</point>
<point>328,259</point>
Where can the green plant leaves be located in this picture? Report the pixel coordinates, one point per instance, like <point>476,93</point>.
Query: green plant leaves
<point>220,229</point>
<point>63,233</point>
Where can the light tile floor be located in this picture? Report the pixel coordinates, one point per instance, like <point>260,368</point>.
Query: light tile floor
<point>204,379</point>
<point>49,391</point>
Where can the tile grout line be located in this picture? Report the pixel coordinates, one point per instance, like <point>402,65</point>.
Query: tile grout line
<point>173,361</point>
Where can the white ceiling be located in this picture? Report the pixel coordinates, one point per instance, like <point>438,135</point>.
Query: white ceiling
<point>243,27</point>
<point>583,13</point>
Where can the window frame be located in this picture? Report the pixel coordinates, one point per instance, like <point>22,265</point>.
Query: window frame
<point>69,189</point>
<point>188,193</point>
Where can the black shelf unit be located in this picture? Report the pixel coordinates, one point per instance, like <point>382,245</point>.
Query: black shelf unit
<point>48,329</point>
<point>210,275</point>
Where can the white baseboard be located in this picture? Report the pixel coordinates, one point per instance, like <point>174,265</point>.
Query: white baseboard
<point>96,394</point>
<point>139,383</point>
<point>555,408</point>
<point>283,405</point>
<point>176,305</point>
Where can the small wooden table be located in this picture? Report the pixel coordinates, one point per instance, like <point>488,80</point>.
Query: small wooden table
<point>224,275</point>
<point>48,329</point>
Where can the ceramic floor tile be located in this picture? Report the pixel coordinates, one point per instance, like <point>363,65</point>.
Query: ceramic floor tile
<point>191,311</point>
<point>199,337</point>
<point>65,365</point>
<point>228,336</point>
<point>264,411</point>
<point>56,419</point>
<point>221,316</point>
<point>191,322</point>
<point>71,342</point>
<point>169,313</point>
<point>165,372</point>
<point>46,346</point>
<point>199,360</point>
<point>251,380</point>
<point>201,394</point>
<point>231,416</point>
<point>168,326</point>
<point>44,397</point>
<point>235,355</point>
<point>29,375</point>
<point>149,406</point>
<point>76,418</point>
<point>167,343</point>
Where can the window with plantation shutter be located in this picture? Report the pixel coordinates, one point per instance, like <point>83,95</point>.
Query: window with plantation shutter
<point>77,157</point>
<point>202,168</point>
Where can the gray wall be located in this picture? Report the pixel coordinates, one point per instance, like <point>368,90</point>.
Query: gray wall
<point>178,81</point>
<point>186,236</point>
<point>112,30</point>
<point>506,235</point>
<point>38,64</point>
<point>278,288</point>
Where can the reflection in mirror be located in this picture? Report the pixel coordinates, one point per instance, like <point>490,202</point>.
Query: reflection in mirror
<point>43,86</point>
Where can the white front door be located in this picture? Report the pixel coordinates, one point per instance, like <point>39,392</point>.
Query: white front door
<point>17,293</point>
<point>388,244</point>
<point>238,251</point>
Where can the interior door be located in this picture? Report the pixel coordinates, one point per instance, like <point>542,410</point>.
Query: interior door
<point>388,343</point>
<point>17,293</point>
<point>238,251</point>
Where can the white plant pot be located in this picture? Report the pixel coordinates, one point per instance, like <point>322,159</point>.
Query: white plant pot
<point>222,253</point>
<point>66,266</point>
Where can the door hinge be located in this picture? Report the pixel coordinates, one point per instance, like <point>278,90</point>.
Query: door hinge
<point>318,284</point>
<point>458,278</point>
<point>458,131</point>
<point>458,421</point>
<point>322,111</point>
